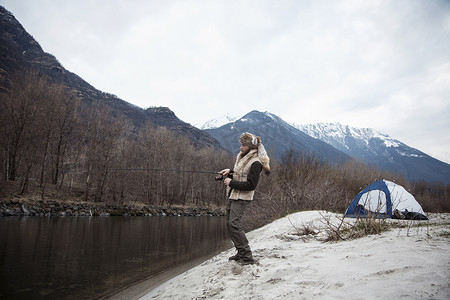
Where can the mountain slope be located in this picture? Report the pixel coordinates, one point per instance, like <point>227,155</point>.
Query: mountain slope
<point>380,150</point>
<point>278,137</point>
<point>19,51</point>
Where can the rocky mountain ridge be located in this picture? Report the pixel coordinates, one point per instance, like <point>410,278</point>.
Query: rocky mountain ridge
<point>381,150</point>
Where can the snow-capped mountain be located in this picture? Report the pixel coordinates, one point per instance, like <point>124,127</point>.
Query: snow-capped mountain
<point>278,137</point>
<point>380,150</point>
<point>357,142</point>
<point>214,123</point>
<point>334,143</point>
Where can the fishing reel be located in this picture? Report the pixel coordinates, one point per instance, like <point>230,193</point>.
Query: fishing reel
<point>218,177</point>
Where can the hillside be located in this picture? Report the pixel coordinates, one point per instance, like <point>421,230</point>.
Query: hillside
<point>19,51</point>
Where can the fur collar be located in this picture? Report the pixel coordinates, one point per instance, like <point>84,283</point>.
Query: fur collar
<point>241,161</point>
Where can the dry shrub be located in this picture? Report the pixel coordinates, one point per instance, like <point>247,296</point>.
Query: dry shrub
<point>434,196</point>
<point>360,228</point>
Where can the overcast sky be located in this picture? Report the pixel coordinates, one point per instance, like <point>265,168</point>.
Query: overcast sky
<point>376,64</point>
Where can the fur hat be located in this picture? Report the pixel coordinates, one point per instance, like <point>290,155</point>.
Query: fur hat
<point>254,142</point>
<point>248,139</point>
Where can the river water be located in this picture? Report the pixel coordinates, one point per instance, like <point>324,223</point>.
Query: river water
<point>95,257</point>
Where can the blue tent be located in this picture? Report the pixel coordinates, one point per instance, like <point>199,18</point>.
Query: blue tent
<point>385,199</point>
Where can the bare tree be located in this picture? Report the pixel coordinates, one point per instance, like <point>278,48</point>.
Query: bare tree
<point>104,140</point>
<point>65,121</point>
<point>20,108</point>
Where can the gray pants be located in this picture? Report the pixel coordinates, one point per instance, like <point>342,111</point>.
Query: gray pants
<point>235,211</point>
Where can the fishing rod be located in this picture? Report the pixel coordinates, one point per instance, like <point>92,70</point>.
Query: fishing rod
<point>218,175</point>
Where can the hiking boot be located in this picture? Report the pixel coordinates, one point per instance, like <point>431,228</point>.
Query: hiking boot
<point>234,257</point>
<point>246,261</point>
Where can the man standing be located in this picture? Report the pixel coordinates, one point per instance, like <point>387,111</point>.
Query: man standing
<point>241,183</point>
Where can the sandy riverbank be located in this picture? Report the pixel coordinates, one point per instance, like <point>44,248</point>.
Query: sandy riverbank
<point>409,262</point>
<point>146,286</point>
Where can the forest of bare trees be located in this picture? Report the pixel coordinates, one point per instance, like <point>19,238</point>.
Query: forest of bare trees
<point>49,139</point>
<point>53,145</point>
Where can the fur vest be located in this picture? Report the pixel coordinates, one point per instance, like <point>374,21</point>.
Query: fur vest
<point>241,170</point>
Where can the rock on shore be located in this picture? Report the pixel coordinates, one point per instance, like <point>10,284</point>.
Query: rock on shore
<point>56,208</point>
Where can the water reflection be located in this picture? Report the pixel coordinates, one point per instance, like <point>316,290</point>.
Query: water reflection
<point>84,257</point>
